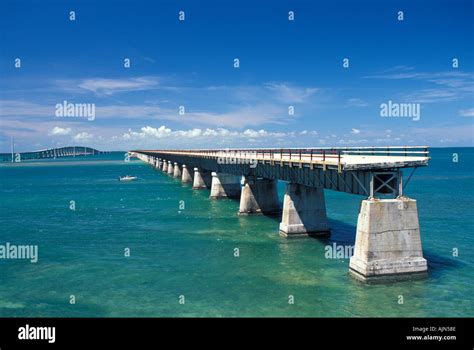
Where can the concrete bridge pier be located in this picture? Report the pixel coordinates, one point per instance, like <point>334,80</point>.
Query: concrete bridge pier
<point>202,179</point>
<point>304,212</point>
<point>259,196</point>
<point>225,186</point>
<point>388,239</point>
<point>177,171</point>
<point>165,166</point>
<point>170,168</point>
<point>186,176</point>
<point>158,164</point>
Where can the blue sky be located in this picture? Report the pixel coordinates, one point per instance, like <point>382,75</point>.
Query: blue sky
<point>190,63</point>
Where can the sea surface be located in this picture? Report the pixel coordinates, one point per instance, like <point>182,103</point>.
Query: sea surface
<point>189,252</point>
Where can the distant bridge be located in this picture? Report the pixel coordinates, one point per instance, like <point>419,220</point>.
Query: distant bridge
<point>388,234</point>
<point>69,151</point>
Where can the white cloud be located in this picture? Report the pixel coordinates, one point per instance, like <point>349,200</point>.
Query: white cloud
<point>356,102</point>
<point>349,142</point>
<point>467,112</point>
<point>445,77</point>
<point>111,86</point>
<point>83,136</point>
<point>236,117</point>
<point>433,95</point>
<point>355,131</point>
<point>60,131</point>
<point>291,94</point>
<point>164,132</point>
<point>447,86</point>
<point>19,108</point>
<point>236,107</point>
<point>190,133</point>
<point>254,133</point>
<point>219,132</point>
<point>306,132</point>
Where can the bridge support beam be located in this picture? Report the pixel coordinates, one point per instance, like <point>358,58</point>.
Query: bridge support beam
<point>158,164</point>
<point>177,171</point>
<point>165,166</point>
<point>186,176</point>
<point>304,212</point>
<point>202,179</point>
<point>259,196</point>
<point>388,239</point>
<point>170,168</point>
<point>224,186</point>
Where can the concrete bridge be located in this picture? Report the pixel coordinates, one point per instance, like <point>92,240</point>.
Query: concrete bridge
<point>388,233</point>
<point>69,151</point>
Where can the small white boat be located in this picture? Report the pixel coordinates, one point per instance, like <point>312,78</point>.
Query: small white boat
<point>127,178</point>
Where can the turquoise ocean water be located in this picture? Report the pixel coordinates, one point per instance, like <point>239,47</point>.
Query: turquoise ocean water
<point>190,251</point>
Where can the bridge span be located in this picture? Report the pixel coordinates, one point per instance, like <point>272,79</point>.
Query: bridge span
<point>58,152</point>
<point>388,233</point>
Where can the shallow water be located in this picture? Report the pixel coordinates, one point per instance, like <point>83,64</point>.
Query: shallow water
<point>190,252</point>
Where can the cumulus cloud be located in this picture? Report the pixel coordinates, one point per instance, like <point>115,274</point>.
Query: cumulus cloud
<point>261,133</point>
<point>355,131</point>
<point>306,132</point>
<point>58,131</point>
<point>164,132</point>
<point>83,136</point>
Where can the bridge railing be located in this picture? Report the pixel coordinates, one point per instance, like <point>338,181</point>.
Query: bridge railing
<point>324,154</point>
